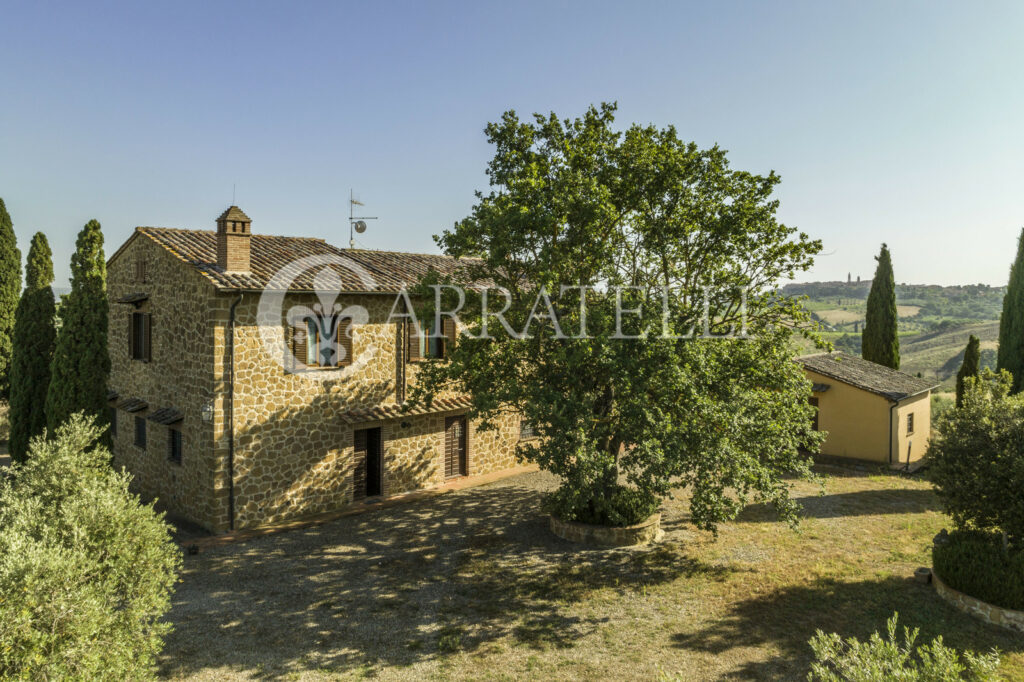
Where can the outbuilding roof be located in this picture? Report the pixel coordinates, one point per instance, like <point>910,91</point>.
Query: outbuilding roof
<point>374,271</point>
<point>870,376</point>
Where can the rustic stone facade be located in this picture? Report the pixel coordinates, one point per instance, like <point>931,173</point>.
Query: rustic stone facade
<point>290,439</point>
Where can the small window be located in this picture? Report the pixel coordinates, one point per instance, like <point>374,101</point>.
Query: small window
<point>315,344</point>
<point>140,432</point>
<point>910,423</point>
<point>174,445</point>
<point>526,430</point>
<point>814,419</point>
<point>141,336</point>
<point>433,344</point>
<point>113,421</point>
<point>140,271</point>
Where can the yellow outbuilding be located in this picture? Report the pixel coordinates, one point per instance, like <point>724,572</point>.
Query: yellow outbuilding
<point>869,411</point>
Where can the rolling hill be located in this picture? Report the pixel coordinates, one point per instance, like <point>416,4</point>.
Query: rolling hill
<point>935,322</point>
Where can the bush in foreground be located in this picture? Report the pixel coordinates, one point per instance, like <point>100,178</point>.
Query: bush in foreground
<point>977,563</point>
<point>881,660</point>
<point>977,458</point>
<point>86,570</point>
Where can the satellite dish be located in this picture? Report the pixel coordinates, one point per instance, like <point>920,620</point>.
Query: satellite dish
<point>360,226</point>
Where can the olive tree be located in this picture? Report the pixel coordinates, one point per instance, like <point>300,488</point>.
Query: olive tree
<point>86,570</point>
<point>641,331</point>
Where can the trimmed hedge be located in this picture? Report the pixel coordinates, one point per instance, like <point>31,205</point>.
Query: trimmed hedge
<point>975,563</point>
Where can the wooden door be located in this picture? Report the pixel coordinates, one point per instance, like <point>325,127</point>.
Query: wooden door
<point>454,447</point>
<point>367,476</point>
<point>374,463</point>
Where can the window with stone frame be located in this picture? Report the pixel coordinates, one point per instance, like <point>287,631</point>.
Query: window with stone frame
<point>174,445</point>
<point>431,345</point>
<point>140,270</point>
<point>323,343</point>
<point>526,431</point>
<point>140,337</point>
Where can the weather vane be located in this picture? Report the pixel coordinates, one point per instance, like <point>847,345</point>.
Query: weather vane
<point>355,223</point>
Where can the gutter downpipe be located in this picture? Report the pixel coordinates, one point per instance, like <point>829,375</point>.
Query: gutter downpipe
<point>231,411</point>
<point>892,407</point>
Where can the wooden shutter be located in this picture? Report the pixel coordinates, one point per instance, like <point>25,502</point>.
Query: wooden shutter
<point>412,342</point>
<point>147,322</point>
<point>344,341</point>
<point>450,333</point>
<point>455,439</point>
<point>449,448</point>
<point>359,457</point>
<point>131,336</point>
<point>298,343</point>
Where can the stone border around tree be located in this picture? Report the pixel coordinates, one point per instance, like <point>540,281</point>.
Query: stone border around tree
<point>643,533</point>
<point>995,615</point>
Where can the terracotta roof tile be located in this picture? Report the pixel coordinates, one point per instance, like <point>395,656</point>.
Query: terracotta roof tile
<point>870,376</point>
<point>382,271</point>
<point>166,416</point>
<point>394,411</point>
<point>133,405</point>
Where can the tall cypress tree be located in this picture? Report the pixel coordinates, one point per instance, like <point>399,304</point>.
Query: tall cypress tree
<point>880,341</point>
<point>34,338</point>
<point>970,367</point>
<point>78,374</point>
<point>10,290</point>
<point>1011,323</point>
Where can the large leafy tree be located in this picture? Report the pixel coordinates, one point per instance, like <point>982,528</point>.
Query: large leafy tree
<point>78,374</point>
<point>1011,323</point>
<point>623,421</point>
<point>10,289</point>
<point>880,341</point>
<point>970,367</point>
<point>34,338</point>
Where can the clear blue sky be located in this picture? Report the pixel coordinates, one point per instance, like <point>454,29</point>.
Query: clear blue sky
<point>896,121</point>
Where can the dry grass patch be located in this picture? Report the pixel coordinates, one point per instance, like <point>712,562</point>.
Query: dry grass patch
<point>472,585</point>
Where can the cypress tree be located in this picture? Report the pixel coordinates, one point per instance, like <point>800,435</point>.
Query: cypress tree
<point>10,290</point>
<point>880,341</point>
<point>34,338</point>
<point>78,374</point>
<point>970,367</point>
<point>1011,323</point>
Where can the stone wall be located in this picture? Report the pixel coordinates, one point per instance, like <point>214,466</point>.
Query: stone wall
<point>996,615</point>
<point>179,376</point>
<point>293,449</point>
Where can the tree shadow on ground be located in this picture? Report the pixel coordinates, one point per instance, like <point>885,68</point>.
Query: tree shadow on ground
<point>396,586</point>
<point>860,503</point>
<point>787,618</point>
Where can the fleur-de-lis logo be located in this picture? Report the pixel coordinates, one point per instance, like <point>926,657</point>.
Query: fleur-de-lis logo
<point>316,328</point>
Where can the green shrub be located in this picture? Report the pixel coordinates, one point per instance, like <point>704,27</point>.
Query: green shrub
<point>977,563</point>
<point>977,457</point>
<point>86,570</point>
<point>882,660</point>
<point>624,507</point>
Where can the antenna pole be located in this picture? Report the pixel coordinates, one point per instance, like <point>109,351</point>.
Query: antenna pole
<point>353,219</point>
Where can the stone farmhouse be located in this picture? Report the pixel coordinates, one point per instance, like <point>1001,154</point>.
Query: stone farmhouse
<point>259,378</point>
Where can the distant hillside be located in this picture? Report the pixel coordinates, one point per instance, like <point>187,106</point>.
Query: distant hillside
<point>935,321</point>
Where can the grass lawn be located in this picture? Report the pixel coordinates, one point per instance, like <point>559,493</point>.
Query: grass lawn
<point>471,585</point>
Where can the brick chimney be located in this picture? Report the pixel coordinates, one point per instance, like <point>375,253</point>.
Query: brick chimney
<point>233,237</point>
